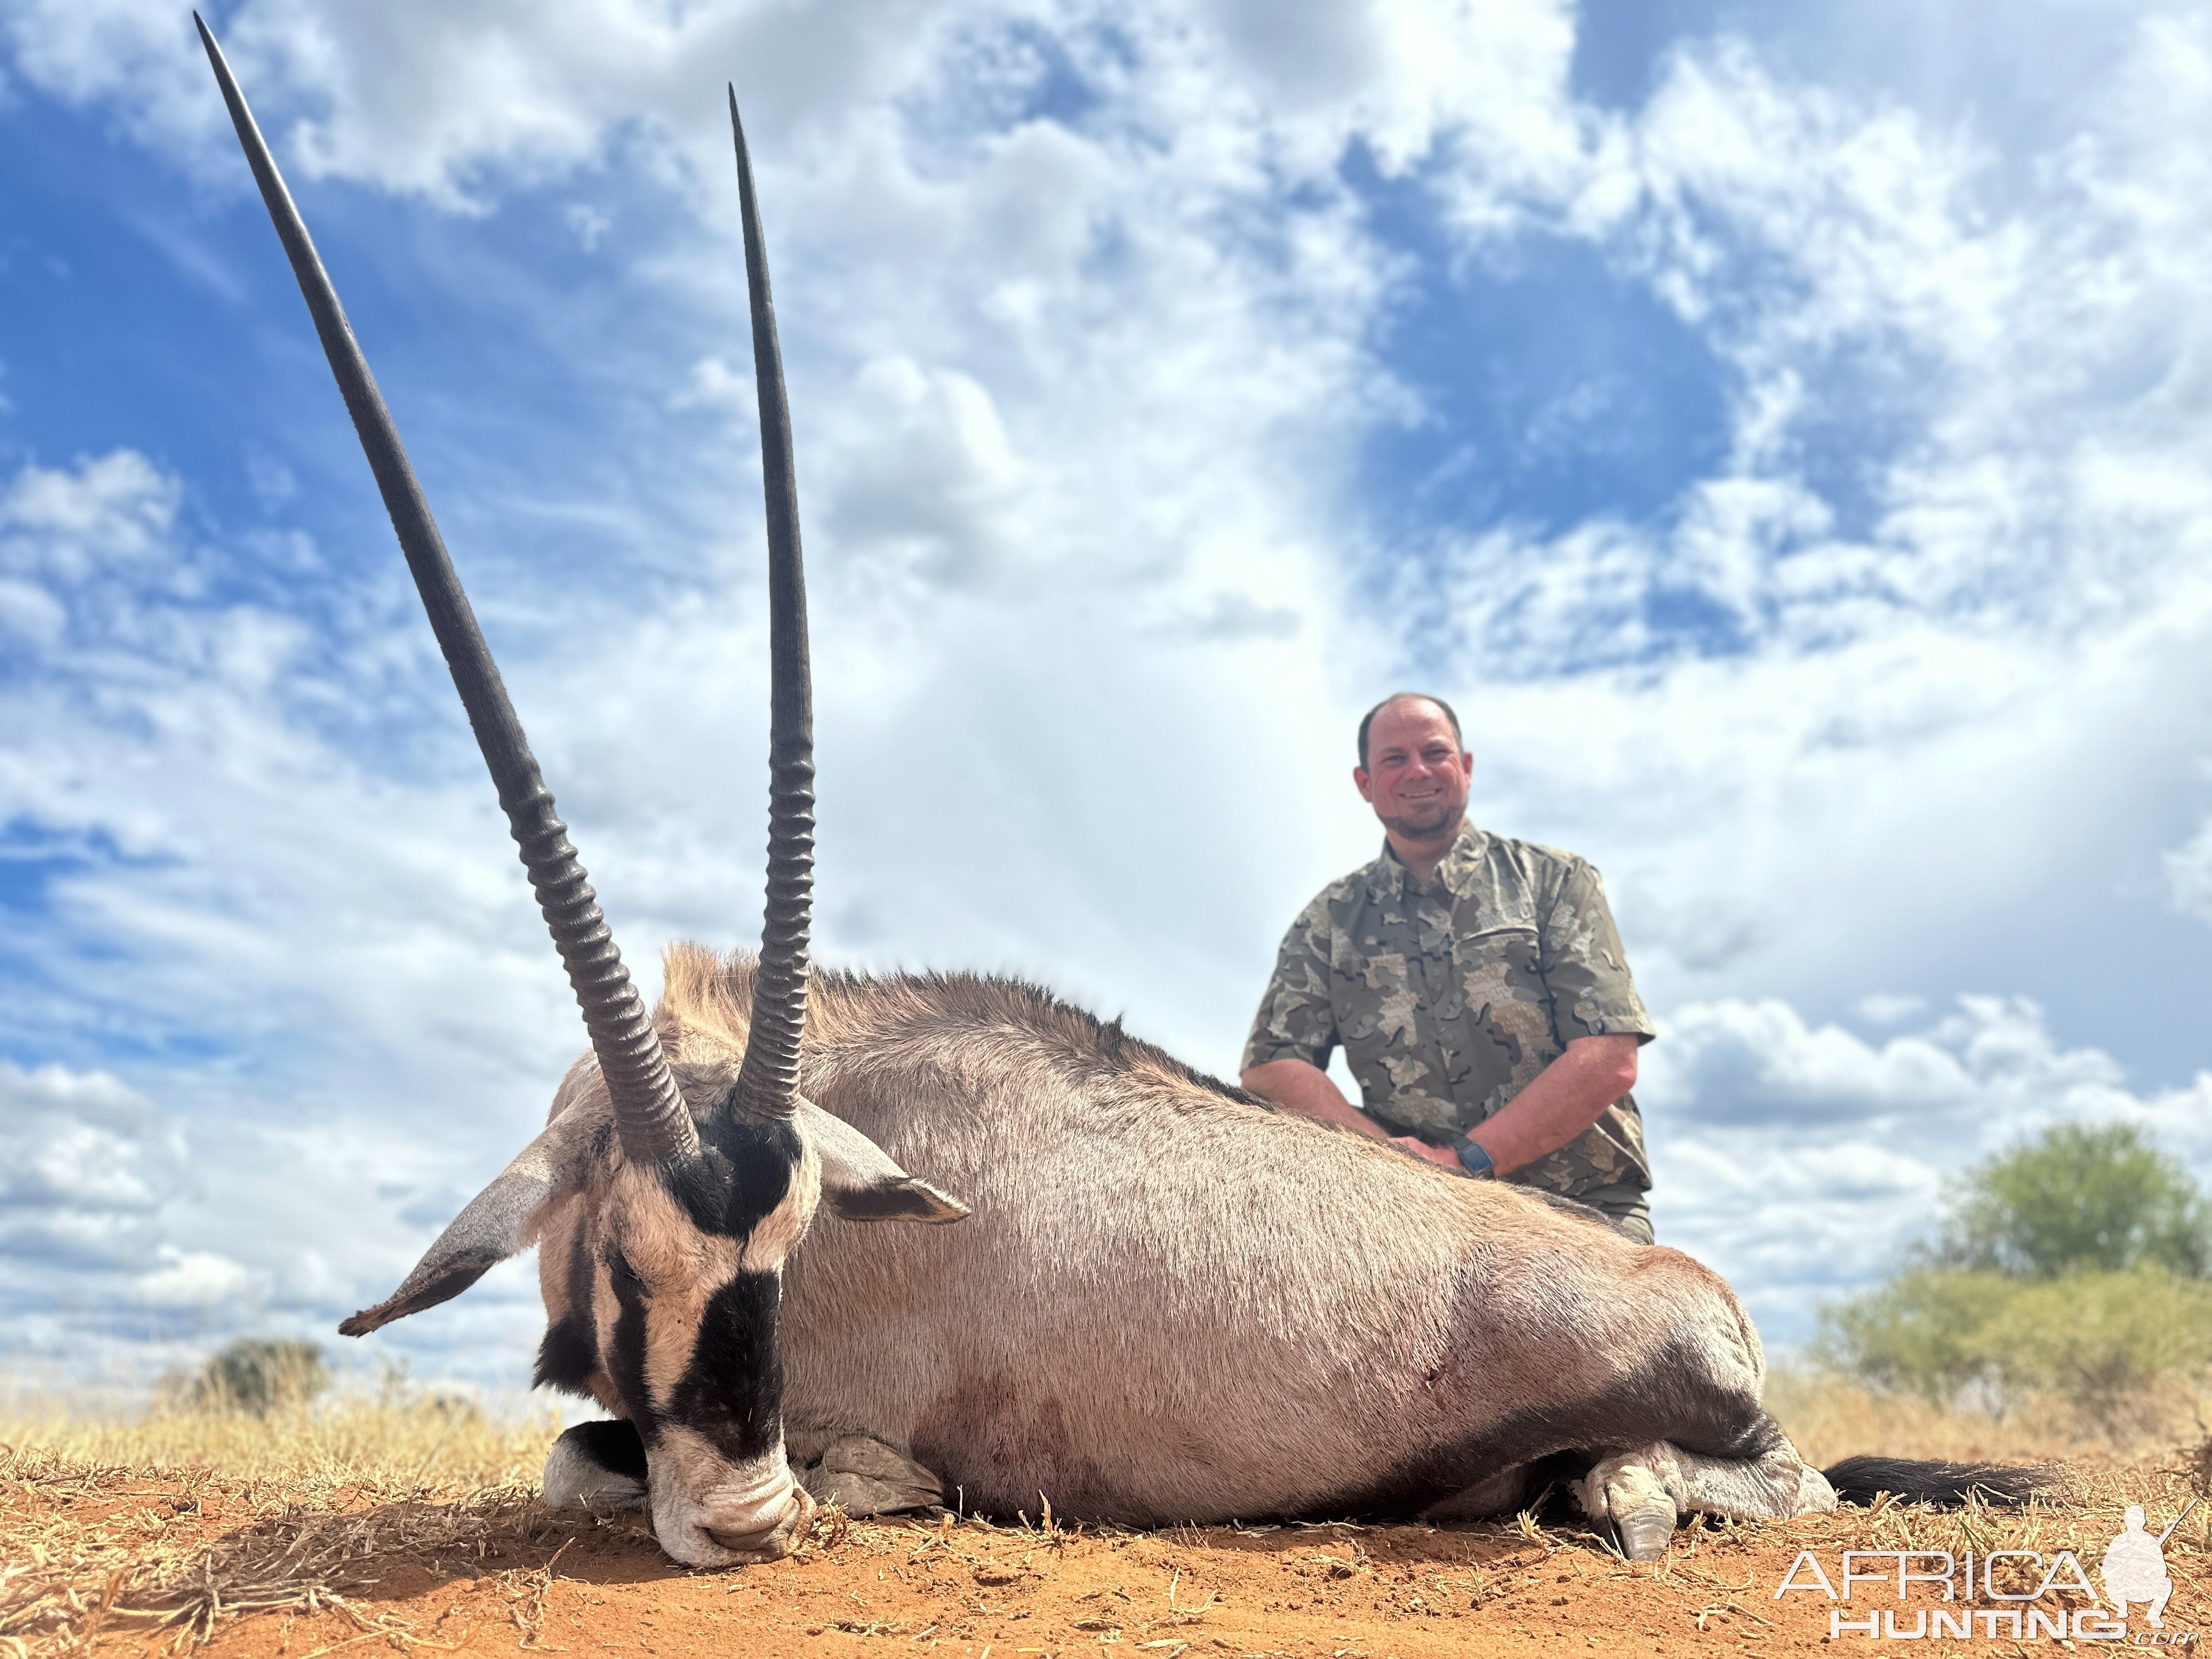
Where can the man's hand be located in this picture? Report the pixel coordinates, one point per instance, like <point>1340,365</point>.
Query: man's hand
<point>1420,1148</point>
<point>1307,1089</point>
<point>1563,1100</point>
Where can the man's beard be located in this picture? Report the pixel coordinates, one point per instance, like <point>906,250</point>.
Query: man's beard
<point>1427,825</point>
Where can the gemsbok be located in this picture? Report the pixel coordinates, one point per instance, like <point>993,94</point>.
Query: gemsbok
<point>1160,1300</point>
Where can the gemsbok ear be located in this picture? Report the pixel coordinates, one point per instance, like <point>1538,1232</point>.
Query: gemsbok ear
<point>495,1224</point>
<point>859,1180</point>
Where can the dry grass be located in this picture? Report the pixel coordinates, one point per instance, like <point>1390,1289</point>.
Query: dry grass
<point>1828,1417</point>
<point>175,1521</point>
<point>2157,1455</point>
<point>167,1525</point>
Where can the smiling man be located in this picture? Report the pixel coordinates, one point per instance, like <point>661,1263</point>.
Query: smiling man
<point>1477,984</point>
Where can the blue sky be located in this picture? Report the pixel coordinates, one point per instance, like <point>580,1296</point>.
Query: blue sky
<point>1780,430</point>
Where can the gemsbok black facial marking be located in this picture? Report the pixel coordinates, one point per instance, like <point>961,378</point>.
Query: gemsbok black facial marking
<point>570,1352</point>
<point>731,1391</point>
<point>625,1358</point>
<point>743,1172</point>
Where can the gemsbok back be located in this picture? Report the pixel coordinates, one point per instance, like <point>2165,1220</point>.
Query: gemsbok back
<point>1162,1301</point>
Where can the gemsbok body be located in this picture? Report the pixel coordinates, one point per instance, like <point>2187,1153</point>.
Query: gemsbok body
<point>1139,1294</point>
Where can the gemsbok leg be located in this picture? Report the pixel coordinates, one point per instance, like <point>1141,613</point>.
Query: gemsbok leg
<point>1645,1490</point>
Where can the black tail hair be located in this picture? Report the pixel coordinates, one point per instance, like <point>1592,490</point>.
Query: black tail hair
<point>1860,1480</point>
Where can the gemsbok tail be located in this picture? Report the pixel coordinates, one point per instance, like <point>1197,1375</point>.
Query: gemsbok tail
<point>1917,1480</point>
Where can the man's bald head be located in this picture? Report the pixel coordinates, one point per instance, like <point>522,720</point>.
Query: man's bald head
<point>1367,721</point>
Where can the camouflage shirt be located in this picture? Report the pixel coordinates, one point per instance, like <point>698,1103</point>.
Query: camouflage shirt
<point>1448,1003</point>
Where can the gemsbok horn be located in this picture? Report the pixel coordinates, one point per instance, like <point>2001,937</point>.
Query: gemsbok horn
<point>649,1112</point>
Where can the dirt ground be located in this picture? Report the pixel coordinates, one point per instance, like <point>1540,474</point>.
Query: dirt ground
<point>411,1521</point>
<point>502,1574</point>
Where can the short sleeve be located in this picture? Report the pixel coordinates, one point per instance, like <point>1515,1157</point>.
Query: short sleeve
<point>1296,1019</point>
<point>1584,968</point>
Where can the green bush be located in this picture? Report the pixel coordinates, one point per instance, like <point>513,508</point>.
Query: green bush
<point>2078,1197</point>
<point>252,1377</point>
<point>2072,1266</point>
<point>1921,1332</point>
<point>2099,1341</point>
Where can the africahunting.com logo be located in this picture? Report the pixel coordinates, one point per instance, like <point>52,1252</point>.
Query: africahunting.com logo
<point>2012,1595</point>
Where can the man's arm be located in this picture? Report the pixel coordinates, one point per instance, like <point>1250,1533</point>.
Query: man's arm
<point>1299,1086</point>
<point>1563,1100</point>
<point>1597,1015</point>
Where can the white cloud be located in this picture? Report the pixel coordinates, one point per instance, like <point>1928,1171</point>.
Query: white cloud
<point>86,1158</point>
<point>1081,399</point>
<point>590,225</point>
<point>109,510</point>
<point>1993,364</point>
<point>2189,874</point>
<point>94,1176</point>
<point>1888,1008</point>
<point>940,487</point>
<point>30,613</point>
<point>198,1279</point>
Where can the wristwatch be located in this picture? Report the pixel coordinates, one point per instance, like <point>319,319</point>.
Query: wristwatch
<point>1474,1160</point>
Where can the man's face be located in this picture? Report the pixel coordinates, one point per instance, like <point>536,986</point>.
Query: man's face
<point>1416,774</point>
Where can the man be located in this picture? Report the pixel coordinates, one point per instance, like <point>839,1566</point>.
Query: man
<point>1477,984</point>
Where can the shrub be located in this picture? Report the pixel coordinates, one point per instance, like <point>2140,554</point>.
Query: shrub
<point>1920,1334</point>
<point>2078,1197</point>
<point>2101,1343</point>
<point>253,1377</point>
<point>2071,1267</point>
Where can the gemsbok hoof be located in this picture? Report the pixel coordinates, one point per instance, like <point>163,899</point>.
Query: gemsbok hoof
<point>598,1466</point>
<point>1645,1533</point>
<point>864,1477</point>
<point>1626,1490</point>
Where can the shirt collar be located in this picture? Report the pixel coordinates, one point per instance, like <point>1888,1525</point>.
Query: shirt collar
<point>1386,876</point>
